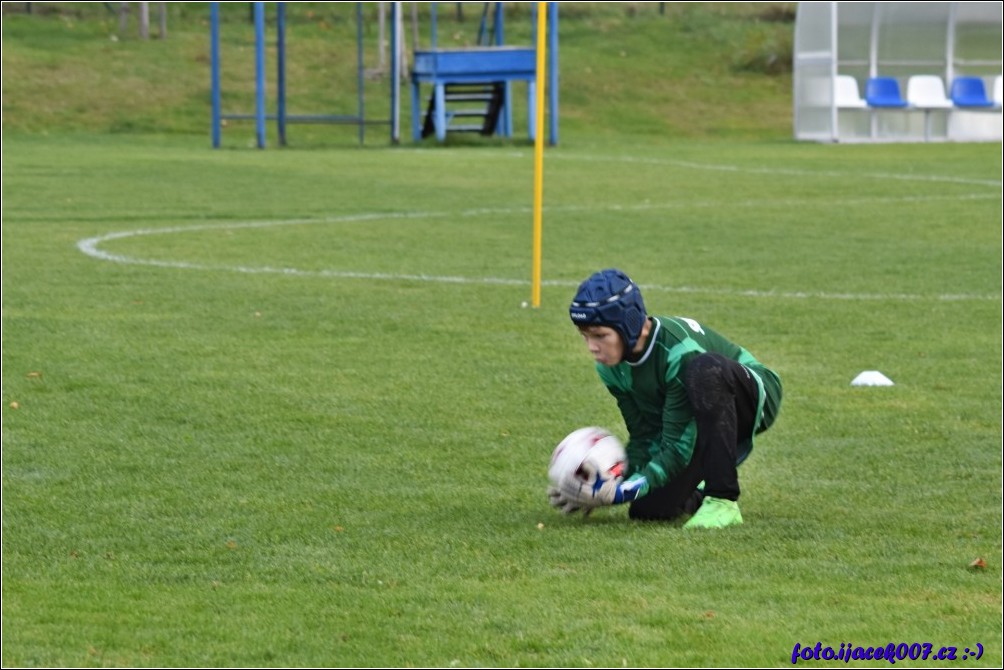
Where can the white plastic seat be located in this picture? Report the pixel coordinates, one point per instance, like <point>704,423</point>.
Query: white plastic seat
<point>846,93</point>
<point>927,92</point>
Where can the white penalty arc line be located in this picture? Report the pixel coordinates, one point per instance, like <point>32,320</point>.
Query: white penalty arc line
<point>92,247</point>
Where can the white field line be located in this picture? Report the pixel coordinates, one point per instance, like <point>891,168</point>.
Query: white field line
<point>691,165</point>
<point>792,172</point>
<point>92,246</point>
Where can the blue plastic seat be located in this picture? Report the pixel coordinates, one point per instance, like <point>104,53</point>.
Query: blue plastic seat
<point>883,92</point>
<point>970,92</point>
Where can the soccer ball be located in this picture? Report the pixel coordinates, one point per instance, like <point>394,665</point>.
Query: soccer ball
<point>588,453</point>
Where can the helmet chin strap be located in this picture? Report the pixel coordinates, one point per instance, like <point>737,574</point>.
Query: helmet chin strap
<point>639,348</point>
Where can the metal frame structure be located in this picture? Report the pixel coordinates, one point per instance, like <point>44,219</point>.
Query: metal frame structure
<point>281,116</point>
<point>898,40</point>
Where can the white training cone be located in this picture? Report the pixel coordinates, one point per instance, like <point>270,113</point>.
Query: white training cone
<point>871,378</point>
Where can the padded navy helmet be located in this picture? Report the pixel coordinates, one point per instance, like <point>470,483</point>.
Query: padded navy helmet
<point>609,298</point>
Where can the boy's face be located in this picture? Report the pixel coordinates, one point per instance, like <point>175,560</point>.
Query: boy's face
<point>604,343</point>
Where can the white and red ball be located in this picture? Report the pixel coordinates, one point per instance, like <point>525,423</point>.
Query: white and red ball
<point>588,453</point>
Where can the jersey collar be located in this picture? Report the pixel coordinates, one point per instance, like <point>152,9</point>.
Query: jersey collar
<point>653,333</point>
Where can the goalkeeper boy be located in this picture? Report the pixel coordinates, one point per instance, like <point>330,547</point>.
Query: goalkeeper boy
<point>692,402</point>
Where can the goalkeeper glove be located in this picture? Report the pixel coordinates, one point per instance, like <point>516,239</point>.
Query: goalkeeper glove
<point>618,491</point>
<point>573,494</point>
<point>565,504</point>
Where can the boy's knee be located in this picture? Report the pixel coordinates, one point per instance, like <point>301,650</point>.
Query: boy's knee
<point>706,381</point>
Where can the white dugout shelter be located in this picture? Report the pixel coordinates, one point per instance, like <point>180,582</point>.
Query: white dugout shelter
<point>898,71</point>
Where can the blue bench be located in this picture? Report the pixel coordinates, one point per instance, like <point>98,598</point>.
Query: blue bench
<point>486,65</point>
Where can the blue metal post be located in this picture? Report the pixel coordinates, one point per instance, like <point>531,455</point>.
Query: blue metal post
<point>416,101</point>
<point>280,24</point>
<point>433,20</point>
<point>439,92</point>
<point>214,40</point>
<point>259,32</point>
<point>499,30</point>
<point>505,118</point>
<point>552,55</point>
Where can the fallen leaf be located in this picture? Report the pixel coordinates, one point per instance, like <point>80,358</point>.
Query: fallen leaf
<point>710,614</point>
<point>978,564</point>
<point>34,375</point>
<point>15,405</point>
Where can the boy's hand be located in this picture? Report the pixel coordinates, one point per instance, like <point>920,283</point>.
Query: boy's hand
<point>615,491</point>
<point>573,494</point>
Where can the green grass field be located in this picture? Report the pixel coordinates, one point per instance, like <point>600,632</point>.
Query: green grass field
<point>283,408</point>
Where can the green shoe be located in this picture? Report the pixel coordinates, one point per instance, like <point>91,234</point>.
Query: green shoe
<point>715,513</point>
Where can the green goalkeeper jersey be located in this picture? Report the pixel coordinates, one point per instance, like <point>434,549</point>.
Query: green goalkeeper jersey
<point>651,396</point>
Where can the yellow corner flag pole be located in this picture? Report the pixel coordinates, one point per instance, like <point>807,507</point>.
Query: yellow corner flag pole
<point>538,151</point>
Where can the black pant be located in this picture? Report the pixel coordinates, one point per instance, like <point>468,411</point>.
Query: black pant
<point>723,395</point>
